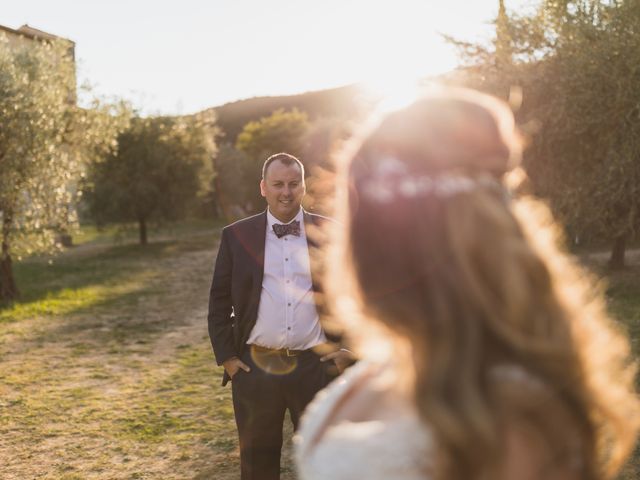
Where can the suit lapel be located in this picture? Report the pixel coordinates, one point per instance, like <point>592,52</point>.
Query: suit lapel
<point>312,231</point>
<point>257,246</point>
<point>254,243</point>
<point>310,227</point>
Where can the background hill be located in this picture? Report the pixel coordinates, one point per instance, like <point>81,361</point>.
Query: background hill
<point>346,102</point>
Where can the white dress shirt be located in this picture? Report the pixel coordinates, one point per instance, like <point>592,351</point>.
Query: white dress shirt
<point>287,315</point>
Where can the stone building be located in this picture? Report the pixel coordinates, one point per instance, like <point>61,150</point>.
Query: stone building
<point>25,35</point>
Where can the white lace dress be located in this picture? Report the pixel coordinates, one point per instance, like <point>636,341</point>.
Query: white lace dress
<point>373,450</point>
<point>397,447</point>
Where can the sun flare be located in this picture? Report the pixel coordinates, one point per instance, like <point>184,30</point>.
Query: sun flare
<point>392,93</point>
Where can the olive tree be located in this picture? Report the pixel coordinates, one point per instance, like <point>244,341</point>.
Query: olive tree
<point>161,167</point>
<point>45,142</point>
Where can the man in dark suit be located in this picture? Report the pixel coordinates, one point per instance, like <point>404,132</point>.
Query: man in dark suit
<point>263,317</point>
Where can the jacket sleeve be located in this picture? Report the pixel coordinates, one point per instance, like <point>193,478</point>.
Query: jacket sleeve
<point>220,318</point>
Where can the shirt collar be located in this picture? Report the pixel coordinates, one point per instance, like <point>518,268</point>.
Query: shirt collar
<point>271,219</point>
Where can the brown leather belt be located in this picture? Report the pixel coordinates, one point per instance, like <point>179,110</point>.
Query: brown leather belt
<point>287,352</point>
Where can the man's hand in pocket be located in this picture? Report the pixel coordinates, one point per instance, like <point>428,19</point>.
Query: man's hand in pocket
<point>234,364</point>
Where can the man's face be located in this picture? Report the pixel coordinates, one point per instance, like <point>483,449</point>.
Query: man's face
<point>283,188</point>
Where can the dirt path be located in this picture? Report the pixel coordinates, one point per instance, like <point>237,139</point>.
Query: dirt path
<point>125,389</point>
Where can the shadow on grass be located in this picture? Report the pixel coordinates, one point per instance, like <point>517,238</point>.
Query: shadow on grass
<point>106,331</point>
<point>73,284</point>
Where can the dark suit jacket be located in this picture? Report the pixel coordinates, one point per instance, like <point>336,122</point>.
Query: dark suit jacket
<point>237,282</point>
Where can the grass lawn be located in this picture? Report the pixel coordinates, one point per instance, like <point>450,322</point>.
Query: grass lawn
<point>623,296</point>
<point>106,367</point>
<point>106,370</point>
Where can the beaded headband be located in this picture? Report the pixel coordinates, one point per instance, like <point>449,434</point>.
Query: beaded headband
<point>391,179</point>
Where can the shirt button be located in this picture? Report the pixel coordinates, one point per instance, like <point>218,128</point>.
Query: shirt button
<point>286,239</point>
<point>286,259</point>
<point>288,328</point>
<point>288,304</point>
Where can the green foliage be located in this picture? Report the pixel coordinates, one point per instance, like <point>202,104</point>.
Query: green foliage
<point>45,142</point>
<point>324,137</point>
<point>281,131</point>
<point>234,183</point>
<point>161,168</point>
<point>344,103</point>
<point>578,64</point>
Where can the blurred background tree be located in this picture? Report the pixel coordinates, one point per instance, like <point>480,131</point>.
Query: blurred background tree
<point>161,169</point>
<point>577,65</point>
<point>238,169</point>
<point>282,131</point>
<point>45,143</point>
<point>232,183</point>
<point>322,142</point>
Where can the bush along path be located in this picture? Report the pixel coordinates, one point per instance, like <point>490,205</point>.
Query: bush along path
<point>106,370</point>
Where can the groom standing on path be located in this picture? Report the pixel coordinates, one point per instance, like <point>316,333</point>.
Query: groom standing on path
<point>263,320</point>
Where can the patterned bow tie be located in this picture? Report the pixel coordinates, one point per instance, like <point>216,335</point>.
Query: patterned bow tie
<point>292,228</point>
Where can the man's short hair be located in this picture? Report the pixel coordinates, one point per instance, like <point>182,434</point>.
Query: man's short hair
<point>285,158</point>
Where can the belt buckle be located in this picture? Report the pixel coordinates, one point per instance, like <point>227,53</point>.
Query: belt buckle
<point>291,353</point>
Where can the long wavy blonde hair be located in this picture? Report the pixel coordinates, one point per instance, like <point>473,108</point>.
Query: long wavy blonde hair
<point>441,254</point>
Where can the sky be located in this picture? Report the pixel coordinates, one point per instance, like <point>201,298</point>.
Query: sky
<point>183,56</point>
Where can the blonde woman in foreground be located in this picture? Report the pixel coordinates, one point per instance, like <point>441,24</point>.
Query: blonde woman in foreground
<point>486,352</point>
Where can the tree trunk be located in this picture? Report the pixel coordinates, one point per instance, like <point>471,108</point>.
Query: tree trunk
<point>616,261</point>
<point>8,288</point>
<point>142,222</point>
<point>64,239</point>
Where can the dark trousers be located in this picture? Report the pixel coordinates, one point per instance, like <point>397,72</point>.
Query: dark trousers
<point>261,397</point>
